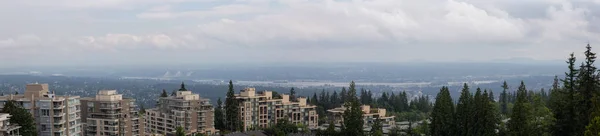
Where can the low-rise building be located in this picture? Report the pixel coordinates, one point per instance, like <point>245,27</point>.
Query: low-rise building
<point>110,114</point>
<point>262,109</point>
<point>7,129</point>
<point>369,115</point>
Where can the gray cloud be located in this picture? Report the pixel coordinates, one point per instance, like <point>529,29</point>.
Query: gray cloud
<point>296,30</point>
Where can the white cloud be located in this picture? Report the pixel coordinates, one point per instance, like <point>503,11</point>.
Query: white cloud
<point>536,28</point>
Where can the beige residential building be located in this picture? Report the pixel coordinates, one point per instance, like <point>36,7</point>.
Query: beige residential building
<point>54,115</point>
<point>262,109</point>
<point>369,115</point>
<point>109,114</point>
<point>184,109</point>
<point>7,129</point>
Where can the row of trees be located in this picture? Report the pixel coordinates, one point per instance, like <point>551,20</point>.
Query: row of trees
<point>569,109</point>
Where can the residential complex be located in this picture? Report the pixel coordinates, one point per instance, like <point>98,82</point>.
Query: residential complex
<point>369,115</point>
<point>54,115</point>
<point>110,114</point>
<point>7,129</point>
<point>182,109</point>
<point>262,109</point>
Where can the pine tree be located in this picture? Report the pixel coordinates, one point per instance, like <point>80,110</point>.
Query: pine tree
<point>22,117</point>
<point>404,101</point>
<point>315,100</point>
<point>323,100</point>
<point>232,110</point>
<point>376,128</point>
<point>142,109</point>
<point>504,99</point>
<point>182,87</point>
<point>486,120</point>
<point>520,119</point>
<point>563,102</point>
<point>334,99</point>
<point>542,117</point>
<point>343,95</point>
<point>593,129</point>
<point>292,94</point>
<point>464,113</point>
<point>219,118</point>
<point>353,119</point>
<point>180,131</point>
<point>588,85</point>
<point>442,115</point>
<point>330,131</point>
<point>164,93</point>
<point>490,116</point>
<point>491,95</point>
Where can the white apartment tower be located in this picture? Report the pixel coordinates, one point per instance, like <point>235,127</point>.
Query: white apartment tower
<point>109,114</point>
<point>54,115</point>
<point>262,109</point>
<point>183,109</point>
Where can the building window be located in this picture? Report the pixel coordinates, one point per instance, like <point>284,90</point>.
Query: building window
<point>44,128</point>
<point>45,112</point>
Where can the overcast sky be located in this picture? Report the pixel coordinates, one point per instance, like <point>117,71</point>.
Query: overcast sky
<point>67,32</point>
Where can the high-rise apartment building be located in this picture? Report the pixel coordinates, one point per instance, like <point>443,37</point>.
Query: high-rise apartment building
<point>109,114</point>
<point>262,109</point>
<point>7,129</point>
<point>54,115</point>
<point>182,109</point>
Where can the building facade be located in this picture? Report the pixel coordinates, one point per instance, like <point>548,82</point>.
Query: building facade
<point>369,115</point>
<point>183,109</point>
<point>7,129</point>
<point>54,115</point>
<point>109,114</point>
<point>262,109</point>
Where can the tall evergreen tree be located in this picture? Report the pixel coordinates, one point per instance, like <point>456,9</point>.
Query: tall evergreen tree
<point>353,119</point>
<point>164,93</point>
<point>520,119</point>
<point>292,94</point>
<point>142,109</point>
<point>404,101</point>
<point>182,88</point>
<point>563,103</point>
<point>22,117</point>
<point>588,86</point>
<point>343,95</point>
<point>442,116</point>
<point>542,117</point>
<point>377,128</point>
<point>593,129</point>
<point>334,99</point>
<point>478,112</point>
<point>491,95</point>
<point>490,116</point>
<point>219,117</point>
<point>504,99</point>
<point>315,100</point>
<point>464,113</point>
<point>232,110</point>
<point>486,119</point>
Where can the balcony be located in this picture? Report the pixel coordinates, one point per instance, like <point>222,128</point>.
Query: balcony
<point>58,106</point>
<point>58,114</point>
<point>58,122</point>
